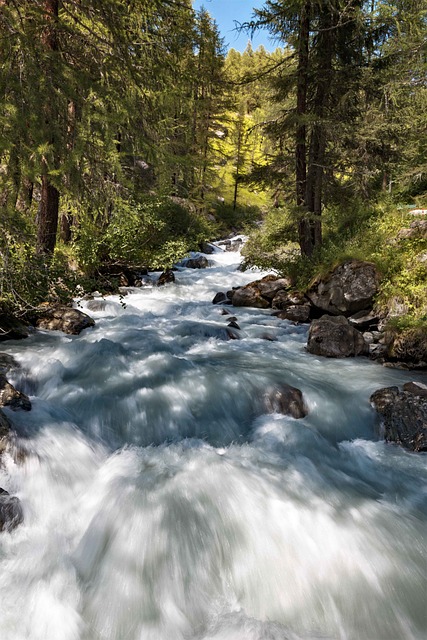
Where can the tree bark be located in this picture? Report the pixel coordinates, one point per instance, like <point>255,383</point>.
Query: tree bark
<point>301,132</point>
<point>49,201</point>
<point>238,160</point>
<point>47,217</point>
<point>314,185</point>
<point>302,80</point>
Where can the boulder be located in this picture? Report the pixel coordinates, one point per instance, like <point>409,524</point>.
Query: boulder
<point>260,293</point>
<point>11,514</point>
<point>417,229</point>
<point>403,415</point>
<point>269,286</point>
<point>200,262</point>
<point>349,288</point>
<point>207,248</point>
<point>295,313</point>
<point>235,245</point>
<point>58,317</point>
<point>249,297</point>
<point>284,299</point>
<point>416,388</point>
<point>7,363</point>
<point>165,278</point>
<point>10,397</point>
<point>364,320</point>
<point>287,400</point>
<point>231,245</point>
<point>409,346</point>
<point>12,328</point>
<point>334,337</point>
<point>220,298</point>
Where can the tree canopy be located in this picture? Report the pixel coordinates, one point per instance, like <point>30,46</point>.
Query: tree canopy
<point>111,110</point>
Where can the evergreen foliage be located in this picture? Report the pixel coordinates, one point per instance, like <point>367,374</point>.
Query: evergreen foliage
<point>129,136</point>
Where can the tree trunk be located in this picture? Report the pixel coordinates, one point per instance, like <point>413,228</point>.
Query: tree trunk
<point>65,228</point>
<point>47,217</point>
<point>304,233</point>
<point>238,159</point>
<point>25,198</point>
<point>302,80</point>
<point>49,201</point>
<point>314,185</point>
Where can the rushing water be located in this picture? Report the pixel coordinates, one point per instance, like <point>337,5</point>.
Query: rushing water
<point>161,503</point>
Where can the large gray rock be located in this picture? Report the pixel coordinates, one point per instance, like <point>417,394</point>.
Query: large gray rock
<point>249,297</point>
<point>11,514</point>
<point>287,400</point>
<point>10,397</point>
<point>403,415</point>
<point>58,317</point>
<point>269,286</point>
<point>349,288</point>
<point>334,337</point>
<point>260,293</point>
<point>12,328</point>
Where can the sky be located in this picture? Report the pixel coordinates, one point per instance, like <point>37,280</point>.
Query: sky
<point>226,12</point>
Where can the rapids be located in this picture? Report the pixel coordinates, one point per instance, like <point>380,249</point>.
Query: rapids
<point>160,502</point>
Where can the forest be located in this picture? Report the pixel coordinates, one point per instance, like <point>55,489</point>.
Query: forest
<point>129,136</point>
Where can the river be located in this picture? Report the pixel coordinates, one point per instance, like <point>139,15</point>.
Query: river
<point>162,503</point>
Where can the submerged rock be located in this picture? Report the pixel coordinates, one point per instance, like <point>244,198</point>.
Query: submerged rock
<point>403,414</point>
<point>287,400</point>
<point>220,298</point>
<point>10,397</point>
<point>11,514</point>
<point>233,324</point>
<point>96,305</point>
<point>334,337</point>
<point>58,317</point>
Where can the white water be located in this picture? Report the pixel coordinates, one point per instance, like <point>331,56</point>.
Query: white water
<point>161,503</point>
